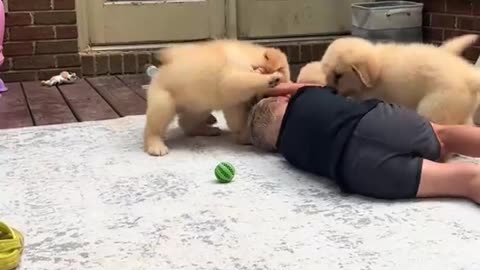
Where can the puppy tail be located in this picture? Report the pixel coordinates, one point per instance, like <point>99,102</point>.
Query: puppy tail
<point>459,44</point>
<point>167,55</point>
<point>164,56</point>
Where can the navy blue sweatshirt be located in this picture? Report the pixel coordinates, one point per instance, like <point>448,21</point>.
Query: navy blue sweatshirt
<point>316,128</point>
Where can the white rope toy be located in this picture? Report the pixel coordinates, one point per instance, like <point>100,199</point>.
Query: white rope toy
<point>64,78</point>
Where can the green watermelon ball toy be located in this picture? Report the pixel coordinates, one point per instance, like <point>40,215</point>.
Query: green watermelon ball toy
<point>224,172</point>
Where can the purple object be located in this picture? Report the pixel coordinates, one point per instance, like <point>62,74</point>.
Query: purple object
<point>3,88</point>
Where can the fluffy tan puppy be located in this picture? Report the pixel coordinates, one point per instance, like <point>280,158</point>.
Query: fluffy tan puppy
<point>435,81</point>
<point>312,73</point>
<point>196,79</point>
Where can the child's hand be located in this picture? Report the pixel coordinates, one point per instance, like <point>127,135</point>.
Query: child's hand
<point>284,89</point>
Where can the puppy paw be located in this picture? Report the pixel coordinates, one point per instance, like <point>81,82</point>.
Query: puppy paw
<point>156,148</point>
<point>274,79</point>
<point>211,120</point>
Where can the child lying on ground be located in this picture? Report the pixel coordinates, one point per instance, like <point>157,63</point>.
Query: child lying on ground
<point>369,148</point>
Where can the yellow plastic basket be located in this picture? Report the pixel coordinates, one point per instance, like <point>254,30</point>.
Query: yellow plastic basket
<point>11,247</point>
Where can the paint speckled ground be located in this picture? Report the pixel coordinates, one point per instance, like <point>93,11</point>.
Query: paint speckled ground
<point>87,197</point>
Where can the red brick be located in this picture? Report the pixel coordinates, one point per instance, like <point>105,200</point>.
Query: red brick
<point>295,70</point>
<point>88,64</point>
<point>476,8</point>
<point>18,48</point>
<point>20,5</point>
<point>143,59</point>
<point>32,33</point>
<point>7,64</point>
<point>468,23</point>
<point>155,60</point>
<point>130,63</point>
<point>19,76</point>
<point>18,19</point>
<point>34,62</point>
<point>434,5</point>
<point>463,7</point>
<point>293,53</point>
<point>427,19</point>
<point>433,34</point>
<point>318,50</point>
<point>305,52</point>
<point>65,32</point>
<point>102,65</point>
<point>68,60</point>
<point>56,46</point>
<point>49,73</point>
<point>443,21</point>
<point>64,4</point>
<point>55,17</point>
<point>116,64</point>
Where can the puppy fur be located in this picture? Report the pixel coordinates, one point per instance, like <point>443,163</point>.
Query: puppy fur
<point>458,45</point>
<point>312,73</point>
<point>196,79</point>
<point>435,81</point>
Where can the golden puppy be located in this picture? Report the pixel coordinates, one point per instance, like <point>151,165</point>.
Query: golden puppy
<point>435,81</point>
<point>199,78</point>
<point>312,73</point>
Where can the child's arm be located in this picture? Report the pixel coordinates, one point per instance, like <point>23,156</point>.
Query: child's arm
<point>285,89</point>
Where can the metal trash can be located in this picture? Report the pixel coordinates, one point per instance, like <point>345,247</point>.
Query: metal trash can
<point>399,21</point>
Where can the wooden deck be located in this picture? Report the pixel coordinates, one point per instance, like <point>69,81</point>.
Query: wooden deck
<point>30,104</point>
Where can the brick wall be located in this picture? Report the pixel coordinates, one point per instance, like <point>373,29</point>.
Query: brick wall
<point>40,39</point>
<point>444,19</point>
<point>131,62</point>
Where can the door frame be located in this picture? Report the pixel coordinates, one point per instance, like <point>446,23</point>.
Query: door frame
<point>217,28</point>
<point>228,28</point>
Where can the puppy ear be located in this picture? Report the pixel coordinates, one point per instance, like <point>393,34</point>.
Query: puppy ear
<point>368,72</point>
<point>266,56</point>
<point>272,53</point>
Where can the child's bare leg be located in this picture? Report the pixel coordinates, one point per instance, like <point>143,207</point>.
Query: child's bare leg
<point>459,139</point>
<point>284,89</point>
<point>449,180</point>
<point>241,86</point>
